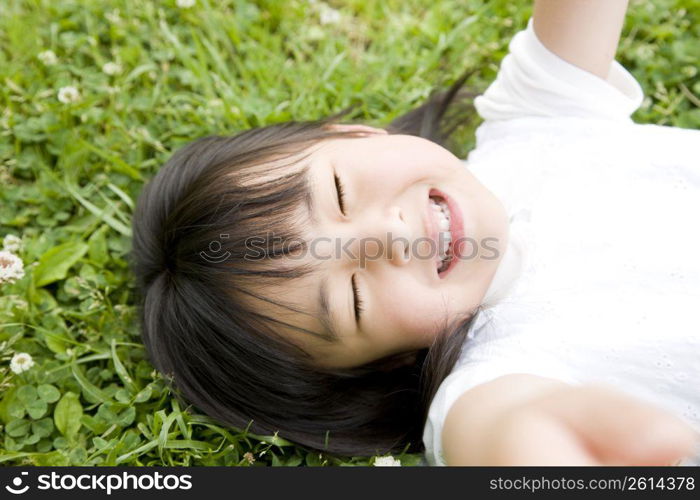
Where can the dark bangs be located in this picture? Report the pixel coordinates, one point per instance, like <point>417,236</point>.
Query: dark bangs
<point>192,230</point>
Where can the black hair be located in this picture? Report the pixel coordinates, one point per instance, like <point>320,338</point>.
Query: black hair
<point>222,355</point>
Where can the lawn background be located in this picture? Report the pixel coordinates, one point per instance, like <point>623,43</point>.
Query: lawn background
<point>71,171</point>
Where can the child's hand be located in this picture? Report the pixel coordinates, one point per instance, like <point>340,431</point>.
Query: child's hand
<point>589,425</point>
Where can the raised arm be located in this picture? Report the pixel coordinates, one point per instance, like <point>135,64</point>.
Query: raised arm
<point>584,33</point>
<point>527,420</point>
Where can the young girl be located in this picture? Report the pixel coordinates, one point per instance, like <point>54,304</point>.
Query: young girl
<point>362,292</point>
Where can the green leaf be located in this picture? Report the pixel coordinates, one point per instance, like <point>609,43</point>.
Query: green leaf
<point>97,426</point>
<point>189,444</point>
<point>48,393</point>
<point>105,413</point>
<point>100,214</point>
<point>72,287</point>
<point>315,460</point>
<point>60,443</point>
<point>17,428</point>
<point>10,407</point>
<point>141,449</point>
<point>32,439</point>
<point>93,394</point>
<point>43,427</point>
<point>67,414</point>
<point>97,246</point>
<point>294,461</point>
<point>54,341</point>
<point>123,396</point>
<point>55,263</point>
<point>15,409</point>
<point>126,418</point>
<point>144,394</point>
<point>116,163</point>
<point>43,446</point>
<point>121,370</point>
<point>42,299</point>
<point>27,394</point>
<point>55,458</point>
<point>10,445</point>
<point>275,439</point>
<point>37,408</point>
<point>77,456</point>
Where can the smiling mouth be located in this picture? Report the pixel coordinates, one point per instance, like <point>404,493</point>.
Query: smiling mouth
<point>442,219</point>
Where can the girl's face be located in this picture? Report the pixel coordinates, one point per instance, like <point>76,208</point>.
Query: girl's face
<point>375,235</point>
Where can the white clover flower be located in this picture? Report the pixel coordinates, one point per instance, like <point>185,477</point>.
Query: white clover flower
<point>11,243</point>
<point>113,16</point>
<point>68,95</point>
<point>387,461</point>
<point>329,15</point>
<point>47,57</point>
<point>21,362</point>
<point>689,71</point>
<point>111,68</point>
<point>11,267</point>
<point>109,89</point>
<point>185,4</point>
<point>645,52</point>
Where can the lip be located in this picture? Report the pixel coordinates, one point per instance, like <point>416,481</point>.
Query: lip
<point>456,228</point>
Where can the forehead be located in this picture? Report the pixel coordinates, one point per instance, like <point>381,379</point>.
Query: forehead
<point>299,313</point>
<point>294,293</point>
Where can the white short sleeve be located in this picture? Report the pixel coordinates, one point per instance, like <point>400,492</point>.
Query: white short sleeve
<point>534,82</point>
<point>491,354</point>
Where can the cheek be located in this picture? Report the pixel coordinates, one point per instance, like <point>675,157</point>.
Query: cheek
<point>412,313</point>
<point>404,169</point>
<point>390,178</point>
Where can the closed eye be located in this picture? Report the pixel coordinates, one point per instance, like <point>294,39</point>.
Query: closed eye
<point>340,193</point>
<point>357,300</point>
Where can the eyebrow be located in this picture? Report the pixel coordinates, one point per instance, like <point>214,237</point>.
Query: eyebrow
<point>311,200</point>
<point>326,315</point>
<point>311,203</point>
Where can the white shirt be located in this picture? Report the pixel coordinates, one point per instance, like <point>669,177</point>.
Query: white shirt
<point>601,278</point>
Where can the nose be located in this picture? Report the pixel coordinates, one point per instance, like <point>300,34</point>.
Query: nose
<point>386,239</point>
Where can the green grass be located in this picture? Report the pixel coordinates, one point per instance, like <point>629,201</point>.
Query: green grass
<point>70,173</point>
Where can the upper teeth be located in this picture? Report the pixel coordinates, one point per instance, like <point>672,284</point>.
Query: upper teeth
<point>442,215</point>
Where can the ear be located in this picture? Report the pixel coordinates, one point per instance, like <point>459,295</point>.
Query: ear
<point>341,127</point>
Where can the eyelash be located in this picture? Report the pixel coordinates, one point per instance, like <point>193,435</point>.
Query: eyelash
<point>358,300</point>
<point>355,293</point>
<point>341,194</point>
